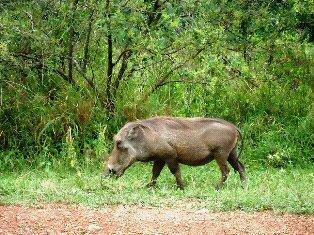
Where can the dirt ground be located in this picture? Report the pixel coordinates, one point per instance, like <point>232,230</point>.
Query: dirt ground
<point>54,219</point>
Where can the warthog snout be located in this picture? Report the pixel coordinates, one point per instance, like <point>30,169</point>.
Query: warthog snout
<point>108,173</point>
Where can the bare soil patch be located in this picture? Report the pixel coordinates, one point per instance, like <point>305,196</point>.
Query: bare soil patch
<point>67,219</point>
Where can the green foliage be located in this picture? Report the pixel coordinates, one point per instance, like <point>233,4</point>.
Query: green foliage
<point>73,72</point>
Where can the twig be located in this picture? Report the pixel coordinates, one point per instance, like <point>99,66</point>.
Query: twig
<point>31,19</point>
<point>162,80</point>
<point>83,74</point>
<point>38,63</point>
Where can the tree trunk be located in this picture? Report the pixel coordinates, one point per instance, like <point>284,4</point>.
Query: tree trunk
<point>87,42</point>
<point>109,102</point>
<point>71,42</point>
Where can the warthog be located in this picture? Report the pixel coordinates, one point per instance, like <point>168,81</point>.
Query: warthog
<point>172,141</point>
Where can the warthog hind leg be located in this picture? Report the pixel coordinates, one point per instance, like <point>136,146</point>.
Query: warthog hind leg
<point>222,163</point>
<point>238,166</point>
<point>174,168</point>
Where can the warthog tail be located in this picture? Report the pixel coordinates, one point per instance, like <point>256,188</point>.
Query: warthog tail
<point>242,142</point>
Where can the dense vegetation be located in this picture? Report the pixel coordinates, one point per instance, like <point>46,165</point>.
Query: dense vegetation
<point>73,72</point>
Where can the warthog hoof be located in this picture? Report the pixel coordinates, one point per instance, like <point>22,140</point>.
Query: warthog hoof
<point>151,184</point>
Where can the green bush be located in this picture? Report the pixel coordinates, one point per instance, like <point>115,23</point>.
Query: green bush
<point>71,76</point>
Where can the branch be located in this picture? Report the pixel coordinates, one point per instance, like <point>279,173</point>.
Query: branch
<point>237,35</point>
<point>162,80</point>
<point>109,66</point>
<point>109,103</point>
<point>41,65</point>
<point>63,75</point>
<point>155,14</point>
<point>70,40</point>
<point>31,19</point>
<point>83,74</point>
<point>175,50</point>
<point>126,3</point>
<point>184,81</point>
<point>124,65</point>
<point>86,46</point>
<point>136,67</point>
<point>122,55</point>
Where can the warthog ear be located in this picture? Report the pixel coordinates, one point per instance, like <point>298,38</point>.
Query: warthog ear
<point>135,131</point>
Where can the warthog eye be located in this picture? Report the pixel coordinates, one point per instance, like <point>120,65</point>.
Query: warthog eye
<point>120,145</point>
<point>111,171</point>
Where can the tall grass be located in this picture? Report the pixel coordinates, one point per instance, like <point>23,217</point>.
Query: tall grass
<point>277,122</point>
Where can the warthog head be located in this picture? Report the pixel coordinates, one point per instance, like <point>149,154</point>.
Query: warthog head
<point>129,146</point>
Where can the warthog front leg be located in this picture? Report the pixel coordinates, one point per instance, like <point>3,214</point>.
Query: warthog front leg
<point>157,167</point>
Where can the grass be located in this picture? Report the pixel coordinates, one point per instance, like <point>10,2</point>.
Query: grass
<point>281,190</point>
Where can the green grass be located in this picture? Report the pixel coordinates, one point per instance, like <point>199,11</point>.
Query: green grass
<point>281,190</point>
